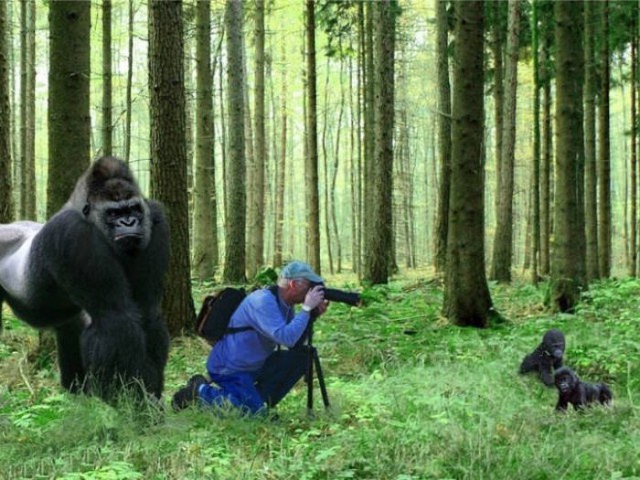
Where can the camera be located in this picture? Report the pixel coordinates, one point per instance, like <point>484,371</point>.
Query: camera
<point>335,295</point>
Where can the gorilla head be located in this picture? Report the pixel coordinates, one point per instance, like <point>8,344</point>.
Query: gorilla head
<point>553,342</point>
<point>94,273</point>
<point>108,196</point>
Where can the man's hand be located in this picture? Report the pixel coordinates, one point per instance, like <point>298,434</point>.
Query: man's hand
<point>314,298</point>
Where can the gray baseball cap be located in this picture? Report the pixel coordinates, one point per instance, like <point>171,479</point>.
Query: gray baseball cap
<point>299,269</point>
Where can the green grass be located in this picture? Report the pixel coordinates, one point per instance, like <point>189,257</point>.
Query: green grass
<point>413,397</point>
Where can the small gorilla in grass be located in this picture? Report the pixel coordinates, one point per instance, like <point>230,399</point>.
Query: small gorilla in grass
<point>94,273</point>
<point>571,390</point>
<point>546,357</point>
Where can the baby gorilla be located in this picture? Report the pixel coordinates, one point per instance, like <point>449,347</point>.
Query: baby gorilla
<point>571,390</point>
<point>546,357</point>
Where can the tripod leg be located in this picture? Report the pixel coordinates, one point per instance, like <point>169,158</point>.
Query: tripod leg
<point>323,388</point>
<point>310,379</point>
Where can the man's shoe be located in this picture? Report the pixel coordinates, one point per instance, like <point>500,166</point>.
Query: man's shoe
<point>188,394</point>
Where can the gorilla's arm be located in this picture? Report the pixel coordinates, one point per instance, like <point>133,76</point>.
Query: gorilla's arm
<point>546,370</point>
<point>529,362</point>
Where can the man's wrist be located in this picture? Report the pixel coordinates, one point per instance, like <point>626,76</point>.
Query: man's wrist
<point>306,308</point>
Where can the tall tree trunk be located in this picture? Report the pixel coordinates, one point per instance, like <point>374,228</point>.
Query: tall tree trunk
<point>535,191</point>
<point>68,110</point>
<point>325,162</point>
<point>355,156</point>
<point>368,152</point>
<point>107,101</point>
<point>128,101</point>
<point>467,300</point>
<point>205,235</point>
<point>444,136</point>
<point>334,174</point>
<point>591,200</point>
<point>497,43</point>
<point>28,112</point>
<point>313,214</point>
<point>503,240</point>
<point>379,262</point>
<point>169,152</point>
<point>568,261</point>
<point>633,244</point>
<point>546,166</point>
<point>604,156</point>
<point>6,192</point>
<point>281,167</point>
<point>235,240</point>
<point>256,196</point>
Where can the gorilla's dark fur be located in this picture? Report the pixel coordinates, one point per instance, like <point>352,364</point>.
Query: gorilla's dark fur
<point>546,357</point>
<point>94,273</point>
<point>571,390</point>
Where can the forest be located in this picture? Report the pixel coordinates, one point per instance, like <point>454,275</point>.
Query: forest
<point>458,163</point>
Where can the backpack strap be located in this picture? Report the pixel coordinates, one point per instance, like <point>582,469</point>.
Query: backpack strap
<point>231,330</point>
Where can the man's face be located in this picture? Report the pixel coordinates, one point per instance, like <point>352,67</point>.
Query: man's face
<point>299,288</point>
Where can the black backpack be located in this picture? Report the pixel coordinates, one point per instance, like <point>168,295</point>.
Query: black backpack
<point>215,314</point>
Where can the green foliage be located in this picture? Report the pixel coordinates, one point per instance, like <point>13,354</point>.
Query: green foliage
<point>412,397</point>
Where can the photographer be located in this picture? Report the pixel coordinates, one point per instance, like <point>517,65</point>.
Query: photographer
<point>246,368</point>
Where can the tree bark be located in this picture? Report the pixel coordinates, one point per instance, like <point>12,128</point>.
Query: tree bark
<point>591,200</point>
<point>379,261</point>
<point>503,239</point>
<point>604,154</point>
<point>69,119</point>
<point>205,235</point>
<point>6,191</point>
<point>568,260</point>
<point>444,136</point>
<point>169,152</point>
<point>235,239</point>
<point>256,195</point>
<point>467,300</point>
<point>313,214</point>
<point>107,100</point>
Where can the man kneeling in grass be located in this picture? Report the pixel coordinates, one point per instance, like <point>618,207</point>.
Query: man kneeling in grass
<point>248,370</point>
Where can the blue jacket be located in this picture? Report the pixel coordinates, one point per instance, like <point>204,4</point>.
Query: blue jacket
<point>273,322</point>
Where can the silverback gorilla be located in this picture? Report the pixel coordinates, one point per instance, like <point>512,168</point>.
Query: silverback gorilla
<point>546,357</point>
<point>94,273</point>
<point>571,390</point>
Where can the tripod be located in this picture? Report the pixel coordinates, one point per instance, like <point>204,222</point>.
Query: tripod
<point>313,361</point>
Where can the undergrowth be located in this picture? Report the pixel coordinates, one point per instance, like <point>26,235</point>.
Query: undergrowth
<point>412,397</point>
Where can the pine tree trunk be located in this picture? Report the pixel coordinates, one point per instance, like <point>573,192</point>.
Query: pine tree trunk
<point>633,244</point>
<point>313,213</point>
<point>503,240</point>
<point>107,107</point>
<point>568,261</point>
<point>257,196</point>
<point>379,260</point>
<point>68,109</point>
<point>6,192</point>
<point>169,152</point>
<point>281,167</point>
<point>235,260</point>
<point>535,191</point>
<point>467,300</point>
<point>604,156</point>
<point>205,235</point>
<point>444,137</point>
<point>591,200</point>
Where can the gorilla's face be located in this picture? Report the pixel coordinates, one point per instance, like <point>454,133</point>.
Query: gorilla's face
<point>125,222</point>
<point>565,382</point>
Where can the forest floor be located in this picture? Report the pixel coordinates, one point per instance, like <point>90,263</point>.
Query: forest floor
<point>412,397</point>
